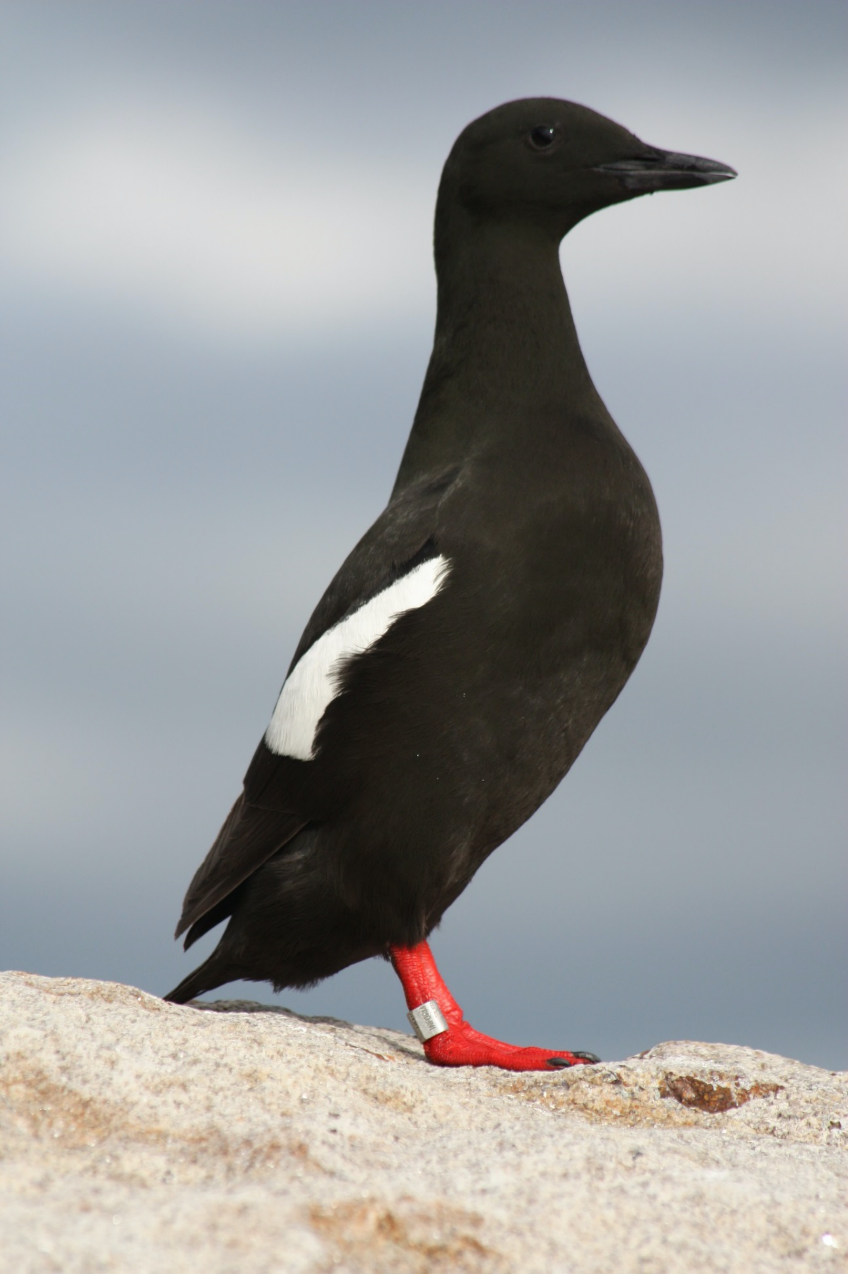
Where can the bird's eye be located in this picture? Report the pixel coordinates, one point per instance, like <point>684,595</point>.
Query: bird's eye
<point>542,136</point>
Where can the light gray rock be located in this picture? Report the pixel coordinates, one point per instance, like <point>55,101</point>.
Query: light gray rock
<point>141,1136</point>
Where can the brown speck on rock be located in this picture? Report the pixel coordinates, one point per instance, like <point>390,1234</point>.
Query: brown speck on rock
<point>713,1098</point>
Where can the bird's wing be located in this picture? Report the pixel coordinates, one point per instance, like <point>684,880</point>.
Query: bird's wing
<point>388,549</point>
<point>247,839</point>
<point>394,567</point>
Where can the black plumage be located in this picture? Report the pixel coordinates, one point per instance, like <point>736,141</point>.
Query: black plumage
<point>456,723</point>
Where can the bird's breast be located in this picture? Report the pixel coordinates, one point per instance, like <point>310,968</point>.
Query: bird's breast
<point>558,554</point>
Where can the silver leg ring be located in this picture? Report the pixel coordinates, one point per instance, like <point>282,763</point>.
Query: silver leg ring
<point>428,1020</point>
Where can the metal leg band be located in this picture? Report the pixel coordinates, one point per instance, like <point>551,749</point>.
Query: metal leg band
<point>427,1020</point>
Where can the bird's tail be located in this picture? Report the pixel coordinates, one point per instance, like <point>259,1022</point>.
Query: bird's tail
<point>212,973</point>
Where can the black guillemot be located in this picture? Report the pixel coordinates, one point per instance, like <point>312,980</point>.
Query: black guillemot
<point>475,636</point>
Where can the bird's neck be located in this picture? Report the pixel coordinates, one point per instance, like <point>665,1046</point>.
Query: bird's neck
<point>505,350</point>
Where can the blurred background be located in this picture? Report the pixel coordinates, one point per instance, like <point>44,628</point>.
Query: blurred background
<point>216,303</point>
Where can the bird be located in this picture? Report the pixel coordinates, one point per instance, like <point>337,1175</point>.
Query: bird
<point>472,640</point>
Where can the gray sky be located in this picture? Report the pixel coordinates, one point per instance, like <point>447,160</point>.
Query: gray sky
<point>216,308</point>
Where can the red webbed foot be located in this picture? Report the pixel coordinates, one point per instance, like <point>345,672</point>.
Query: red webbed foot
<point>461,1045</point>
<point>447,1038</point>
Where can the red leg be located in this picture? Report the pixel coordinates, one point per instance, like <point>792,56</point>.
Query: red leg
<point>460,1044</point>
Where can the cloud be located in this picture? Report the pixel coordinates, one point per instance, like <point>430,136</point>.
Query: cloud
<point>201,228</point>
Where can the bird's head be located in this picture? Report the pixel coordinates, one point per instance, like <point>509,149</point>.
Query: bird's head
<point>546,163</point>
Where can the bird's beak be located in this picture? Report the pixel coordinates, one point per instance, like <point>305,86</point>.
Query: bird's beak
<point>666,170</point>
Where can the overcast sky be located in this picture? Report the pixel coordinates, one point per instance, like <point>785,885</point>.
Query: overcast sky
<point>216,301</point>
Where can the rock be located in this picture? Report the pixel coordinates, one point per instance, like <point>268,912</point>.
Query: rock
<point>141,1136</point>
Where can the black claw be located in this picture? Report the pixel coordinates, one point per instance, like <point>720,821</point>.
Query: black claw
<point>560,1063</point>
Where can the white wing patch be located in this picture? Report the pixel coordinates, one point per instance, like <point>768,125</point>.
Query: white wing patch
<point>314,681</point>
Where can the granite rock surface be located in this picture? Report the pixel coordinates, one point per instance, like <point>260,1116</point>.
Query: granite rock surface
<point>142,1136</point>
